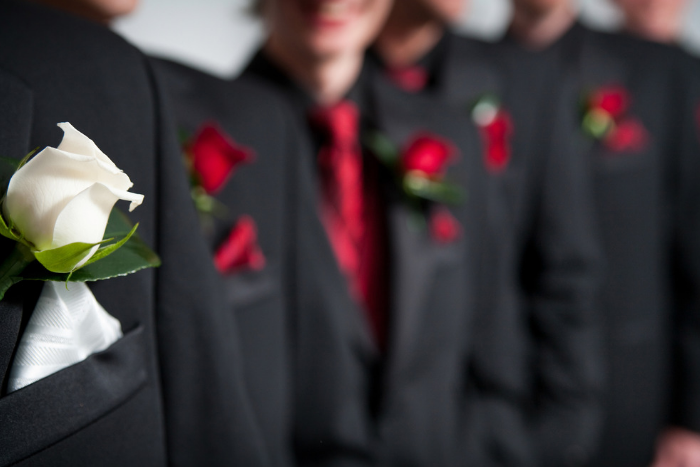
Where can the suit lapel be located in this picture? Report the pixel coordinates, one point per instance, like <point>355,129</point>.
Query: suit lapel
<point>415,258</point>
<point>464,76</point>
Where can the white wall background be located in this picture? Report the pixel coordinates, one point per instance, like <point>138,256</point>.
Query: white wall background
<point>219,35</point>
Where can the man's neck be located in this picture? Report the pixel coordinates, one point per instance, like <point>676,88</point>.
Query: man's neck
<point>537,30</point>
<point>407,37</point>
<point>326,79</point>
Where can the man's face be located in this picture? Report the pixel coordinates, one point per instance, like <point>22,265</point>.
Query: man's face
<point>102,11</point>
<point>654,19</point>
<point>538,7</point>
<point>324,28</point>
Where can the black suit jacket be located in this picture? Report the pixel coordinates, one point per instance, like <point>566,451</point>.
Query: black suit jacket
<point>170,391</point>
<point>266,190</point>
<point>536,364</point>
<point>647,205</point>
<point>407,406</point>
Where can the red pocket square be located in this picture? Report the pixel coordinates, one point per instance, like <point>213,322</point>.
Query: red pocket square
<point>240,250</point>
<point>628,136</point>
<point>444,228</point>
<point>215,156</point>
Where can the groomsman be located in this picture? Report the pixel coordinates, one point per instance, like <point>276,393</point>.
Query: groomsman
<point>397,342</point>
<point>637,124</point>
<point>170,391</point>
<point>537,358</point>
<point>655,20</point>
<point>244,154</point>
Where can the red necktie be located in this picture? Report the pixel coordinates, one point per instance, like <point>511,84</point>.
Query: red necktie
<point>349,211</point>
<point>409,78</point>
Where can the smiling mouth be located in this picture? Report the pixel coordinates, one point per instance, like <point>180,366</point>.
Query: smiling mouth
<point>329,13</point>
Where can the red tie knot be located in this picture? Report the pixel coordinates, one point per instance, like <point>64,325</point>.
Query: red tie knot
<point>409,78</point>
<point>340,121</point>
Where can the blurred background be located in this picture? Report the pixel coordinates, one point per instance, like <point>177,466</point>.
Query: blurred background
<point>219,35</point>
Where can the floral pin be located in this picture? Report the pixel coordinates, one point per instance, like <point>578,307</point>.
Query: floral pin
<point>496,128</point>
<point>420,168</point>
<point>605,119</point>
<point>57,207</point>
<point>212,157</point>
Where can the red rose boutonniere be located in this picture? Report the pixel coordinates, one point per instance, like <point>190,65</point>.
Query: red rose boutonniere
<point>420,167</point>
<point>496,128</point>
<point>211,157</point>
<point>605,119</point>
<point>240,250</point>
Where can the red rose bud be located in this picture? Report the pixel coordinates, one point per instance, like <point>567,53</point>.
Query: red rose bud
<point>240,250</point>
<point>500,128</point>
<point>496,137</point>
<point>429,155</point>
<point>613,100</point>
<point>444,228</point>
<point>629,135</point>
<point>410,78</point>
<point>215,156</point>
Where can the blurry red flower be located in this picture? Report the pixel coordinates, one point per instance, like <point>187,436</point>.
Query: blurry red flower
<point>428,154</point>
<point>496,136</point>
<point>215,156</point>
<point>444,228</point>
<point>240,250</point>
<point>612,99</point>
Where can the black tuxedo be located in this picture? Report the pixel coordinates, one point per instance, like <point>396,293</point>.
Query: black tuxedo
<point>170,391</point>
<point>648,218</point>
<point>266,190</point>
<point>407,406</point>
<point>536,362</point>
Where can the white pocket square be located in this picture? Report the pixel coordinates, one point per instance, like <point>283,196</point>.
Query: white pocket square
<point>66,327</point>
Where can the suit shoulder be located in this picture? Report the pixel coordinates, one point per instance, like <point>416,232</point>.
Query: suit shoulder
<point>56,35</point>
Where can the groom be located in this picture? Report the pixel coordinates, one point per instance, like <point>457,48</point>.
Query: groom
<point>170,391</point>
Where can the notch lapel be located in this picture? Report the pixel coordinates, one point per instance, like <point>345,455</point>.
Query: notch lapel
<point>415,258</point>
<point>465,75</point>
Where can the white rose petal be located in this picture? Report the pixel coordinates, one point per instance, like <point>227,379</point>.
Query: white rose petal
<point>64,195</point>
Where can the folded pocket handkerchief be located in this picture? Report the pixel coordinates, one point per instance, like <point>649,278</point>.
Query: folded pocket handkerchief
<point>66,327</point>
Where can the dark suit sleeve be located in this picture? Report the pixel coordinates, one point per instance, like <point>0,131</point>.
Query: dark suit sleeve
<point>568,354</point>
<point>686,218</point>
<point>208,416</point>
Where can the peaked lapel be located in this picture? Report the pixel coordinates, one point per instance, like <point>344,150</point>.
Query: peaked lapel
<point>415,258</point>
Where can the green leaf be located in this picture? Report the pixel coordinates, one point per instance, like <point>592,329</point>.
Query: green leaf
<point>440,192</point>
<point>382,147</point>
<point>133,255</point>
<point>109,249</point>
<point>5,231</point>
<point>65,259</point>
<point>12,266</point>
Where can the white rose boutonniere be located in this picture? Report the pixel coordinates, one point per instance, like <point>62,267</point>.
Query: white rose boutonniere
<point>58,208</point>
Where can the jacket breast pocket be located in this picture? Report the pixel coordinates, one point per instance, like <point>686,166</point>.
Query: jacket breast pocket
<point>248,288</point>
<point>63,403</point>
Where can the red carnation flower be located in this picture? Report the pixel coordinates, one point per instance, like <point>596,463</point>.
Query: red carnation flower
<point>613,100</point>
<point>215,156</point>
<point>444,228</point>
<point>240,250</point>
<point>428,154</point>
<point>629,135</point>
<point>410,79</point>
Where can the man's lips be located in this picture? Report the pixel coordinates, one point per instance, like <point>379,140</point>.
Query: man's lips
<point>329,13</point>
